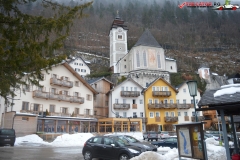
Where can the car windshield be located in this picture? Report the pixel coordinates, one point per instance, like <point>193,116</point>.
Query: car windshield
<point>7,132</point>
<point>121,142</point>
<point>131,139</point>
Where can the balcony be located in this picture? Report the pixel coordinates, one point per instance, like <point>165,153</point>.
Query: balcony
<point>199,118</point>
<point>130,93</point>
<point>161,93</point>
<point>155,106</point>
<point>184,106</point>
<point>134,106</point>
<point>59,97</point>
<point>157,119</point>
<point>170,105</point>
<point>171,119</point>
<point>121,106</point>
<point>61,82</point>
<point>144,120</point>
<point>186,118</point>
<point>34,110</point>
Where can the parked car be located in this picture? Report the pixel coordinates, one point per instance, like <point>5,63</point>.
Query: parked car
<point>164,134</point>
<point>167,142</point>
<point>210,136</point>
<point>107,147</point>
<point>133,141</point>
<point>217,134</point>
<point>150,135</point>
<point>7,137</point>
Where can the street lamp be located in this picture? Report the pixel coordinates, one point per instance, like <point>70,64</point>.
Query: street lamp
<point>192,86</point>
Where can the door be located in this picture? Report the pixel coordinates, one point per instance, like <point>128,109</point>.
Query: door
<point>97,146</point>
<point>108,151</point>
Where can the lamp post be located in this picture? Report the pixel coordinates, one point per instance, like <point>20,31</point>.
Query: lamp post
<point>192,86</point>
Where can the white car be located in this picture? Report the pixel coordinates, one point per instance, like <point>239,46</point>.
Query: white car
<point>228,7</point>
<point>164,134</point>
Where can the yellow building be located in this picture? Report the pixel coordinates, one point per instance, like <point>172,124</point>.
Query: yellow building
<point>160,106</point>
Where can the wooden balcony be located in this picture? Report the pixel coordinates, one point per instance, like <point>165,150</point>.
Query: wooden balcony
<point>161,106</point>
<point>186,118</point>
<point>134,106</point>
<point>161,93</point>
<point>211,112</point>
<point>199,118</point>
<point>61,82</point>
<point>34,110</point>
<point>130,93</point>
<point>58,97</point>
<point>121,106</point>
<point>184,106</point>
<point>171,119</point>
<point>157,119</point>
<point>144,120</point>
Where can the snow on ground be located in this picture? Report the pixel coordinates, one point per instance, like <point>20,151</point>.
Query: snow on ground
<point>214,151</point>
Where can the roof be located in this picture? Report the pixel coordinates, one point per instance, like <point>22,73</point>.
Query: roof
<point>226,98</point>
<point>74,59</point>
<point>147,39</point>
<point>162,80</point>
<point>118,22</point>
<point>128,79</point>
<point>91,81</point>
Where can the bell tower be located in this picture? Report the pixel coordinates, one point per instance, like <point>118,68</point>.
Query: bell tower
<point>118,42</point>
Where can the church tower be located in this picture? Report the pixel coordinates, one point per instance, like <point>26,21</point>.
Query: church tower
<point>118,42</point>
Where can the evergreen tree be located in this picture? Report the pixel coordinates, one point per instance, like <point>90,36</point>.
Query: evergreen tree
<point>29,43</point>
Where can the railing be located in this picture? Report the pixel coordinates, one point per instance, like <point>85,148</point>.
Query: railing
<point>121,106</point>
<point>184,106</point>
<point>161,93</point>
<point>171,119</point>
<point>30,111</point>
<point>60,82</point>
<point>134,106</point>
<point>59,97</point>
<point>186,118</point>
<point>160,105</point>
<point>130,93</point>
<point>199,118</point>
<point>157,119</point>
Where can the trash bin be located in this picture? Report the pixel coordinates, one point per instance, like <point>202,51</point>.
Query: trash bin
<point>235,157</point>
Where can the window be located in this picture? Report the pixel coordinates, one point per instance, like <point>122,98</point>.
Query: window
<point>177,101</point>
<point>95,85</point>
<point>124,114</point>
<point>159,61</point>
<point>165,101</point>
<point>125,66</point>
<point>122,88</point>
<point>193,113</point>
<point>54,76</point>
<point>155,101</point>
<point>134,101</point>
<point>108,141</point>
<point>150,101</point>
<point>141,114</point>
<point>117,114</point>
<point>53,90</point>
<point>36,107</point>
<point>184,101</point>
<point>185,114</point>
<point>126,88</point>
<point>65,93</point>
<point>165,88</point>
<point>76,83</point>
<point>134,114</point>
<point>95,113</point>
<point>153,88</point>
<point>25,105</point>
<point>94,97</point>
<point>157,114</point>
<point>144,59</point>
<point>179,113</point>
<point>172,114</point>
<point>116,101</point>
<point>141,101</point>
<point>184,90</point>
<point>120,37</point>
<point>135,88</point>
<point>166,114</point>
<point>89,97</point>
<point>83,70</point>
<point>191,101</point>
<point>151,114</point>
<point>97,140</point>
<point>87,111</point>
<point>25,118</point>
<point>66,78</point>
<point>124,101</point>
<point>76,111</point>
<point>76,94</point>
<point>171,101</point>
<point>171,67</point>
<point>26,88</point>
<point>138,59</point>
<point>52,108</point>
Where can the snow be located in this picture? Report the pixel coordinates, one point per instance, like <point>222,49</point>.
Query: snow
<point>227,89</point>
<point>214,151</point>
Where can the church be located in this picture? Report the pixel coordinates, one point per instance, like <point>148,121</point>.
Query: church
<point>144,62</point>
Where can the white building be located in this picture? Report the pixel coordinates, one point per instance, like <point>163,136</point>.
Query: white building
<point>186,111</point>
<point>126,101</point>
<point>80,66</point>
<point>64,103</point>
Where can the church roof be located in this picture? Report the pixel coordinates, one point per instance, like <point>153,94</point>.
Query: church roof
<point>118,22</point>
<point>147,39</point>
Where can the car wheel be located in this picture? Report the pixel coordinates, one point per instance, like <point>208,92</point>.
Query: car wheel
<point>88,155</point>
<point>156,139</point>
<point>12,144</point>
<point>124,157</point>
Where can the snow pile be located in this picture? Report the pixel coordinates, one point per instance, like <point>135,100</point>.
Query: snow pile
<point>33,138</point>
<point>71,139</point>
<point>149,156</point>
<point>214,151</point>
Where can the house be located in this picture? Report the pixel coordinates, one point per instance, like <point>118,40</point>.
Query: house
<point>185,105</point>
<point>145,61</point>
<point>63,104</point>
<point>160,106</point>
<point>100,103</point>
<point>126,108</point>
<point>80,66</point>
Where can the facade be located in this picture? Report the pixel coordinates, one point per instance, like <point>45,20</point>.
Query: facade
<point>185,105</point>
<point>100,102</point>
<point>64,103</point>
<point>127,102</point>
<point>80,66</point>
<point>160,106</point>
